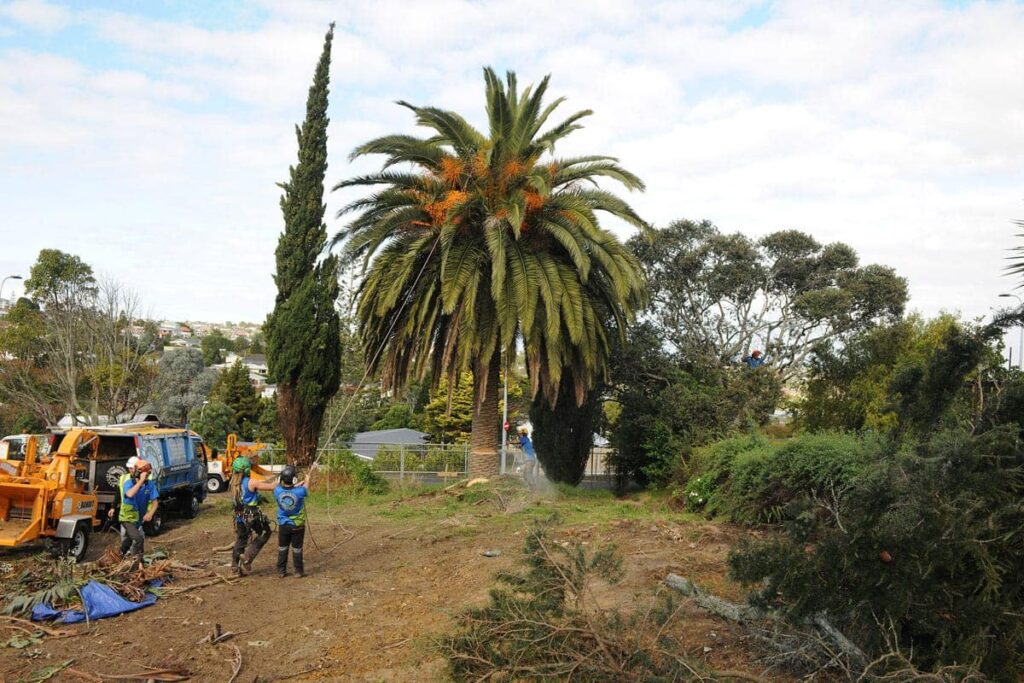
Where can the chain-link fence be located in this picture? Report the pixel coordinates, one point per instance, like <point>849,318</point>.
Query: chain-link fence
<point>440,462</point>
<point>428,463</point>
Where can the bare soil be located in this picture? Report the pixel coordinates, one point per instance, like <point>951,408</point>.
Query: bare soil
<point>384,580</point>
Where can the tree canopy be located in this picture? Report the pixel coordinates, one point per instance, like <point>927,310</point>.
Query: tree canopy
<point>488,242</point>
<point>716,296</point>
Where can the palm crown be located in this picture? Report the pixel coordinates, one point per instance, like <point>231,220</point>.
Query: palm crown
<point>487,240</point>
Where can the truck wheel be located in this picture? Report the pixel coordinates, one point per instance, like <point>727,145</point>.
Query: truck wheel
<point>189,505</point>
<point>155,525</point>
<point>214,484</point>
<point>76,546</point>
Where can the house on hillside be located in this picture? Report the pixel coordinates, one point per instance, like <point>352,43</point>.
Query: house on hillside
<point>255,363</point>
<point>366,444</point>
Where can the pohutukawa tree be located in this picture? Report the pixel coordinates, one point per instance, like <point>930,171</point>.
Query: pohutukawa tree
<point>303,335</point>
<point>480,243</point>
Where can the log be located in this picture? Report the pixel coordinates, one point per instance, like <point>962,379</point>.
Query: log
<point>845,645</point>
<point>711,603</point>
<point>742,613</point>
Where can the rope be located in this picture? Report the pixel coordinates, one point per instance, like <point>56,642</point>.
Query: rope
<point>355,394</point>
<point>380,349</point>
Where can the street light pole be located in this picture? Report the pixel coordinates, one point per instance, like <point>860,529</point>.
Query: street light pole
<point>4,282</point>
<point>1020,335</point>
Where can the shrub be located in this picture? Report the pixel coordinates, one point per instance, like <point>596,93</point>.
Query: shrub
<point>354,472</point>
<point>749,479</point>
<point>920,553</point>
<point>444,460</point>
<point>387,459</point>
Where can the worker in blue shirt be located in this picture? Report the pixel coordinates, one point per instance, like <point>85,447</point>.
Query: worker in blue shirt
<point>754,360</point>
<point>138,503</point>
<point>291,520</point>
<point>530,455</point>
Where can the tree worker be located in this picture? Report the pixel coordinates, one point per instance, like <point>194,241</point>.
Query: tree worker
<point>249,518</point>
<point>530,456</point>
<point>138,498</point>
<point>291,520</point>
<point>754,360</point>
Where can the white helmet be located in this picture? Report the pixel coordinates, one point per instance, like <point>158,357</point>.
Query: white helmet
<point>132,462</point>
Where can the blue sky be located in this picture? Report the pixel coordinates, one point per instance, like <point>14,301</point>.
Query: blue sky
<point>148,137</point>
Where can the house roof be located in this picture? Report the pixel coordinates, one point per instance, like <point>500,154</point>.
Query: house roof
<point>366,444</point>
<point>255,359</point>
<point>402,435</point>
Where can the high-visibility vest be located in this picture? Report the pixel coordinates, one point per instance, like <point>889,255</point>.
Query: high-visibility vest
<point>128,513</point>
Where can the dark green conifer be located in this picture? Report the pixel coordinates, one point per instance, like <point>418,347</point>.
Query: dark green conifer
<point>303,351</point>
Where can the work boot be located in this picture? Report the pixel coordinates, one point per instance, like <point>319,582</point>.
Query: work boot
<point>297,561</point>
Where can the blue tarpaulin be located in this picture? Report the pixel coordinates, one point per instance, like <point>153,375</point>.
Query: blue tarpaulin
<point>99,600</point>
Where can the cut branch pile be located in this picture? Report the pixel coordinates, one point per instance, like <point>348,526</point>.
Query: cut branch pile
<point>56,582</point>
<point>542,623</point>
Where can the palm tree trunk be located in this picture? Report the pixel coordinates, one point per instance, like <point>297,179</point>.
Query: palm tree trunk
<point>486,430</point>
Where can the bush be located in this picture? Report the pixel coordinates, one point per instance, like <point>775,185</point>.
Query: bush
<point>417,459</point>
<point>444,460</point>
<point>354,472</point>
<point>749,479</point>
<point>920,553</point>
<point>387,459</point>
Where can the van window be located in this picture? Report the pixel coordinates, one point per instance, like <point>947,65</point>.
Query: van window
<point>176,451</point>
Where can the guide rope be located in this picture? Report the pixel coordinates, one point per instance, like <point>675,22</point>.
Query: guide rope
<point>352,399</point>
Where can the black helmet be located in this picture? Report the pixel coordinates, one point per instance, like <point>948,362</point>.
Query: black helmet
<point>289,475</point>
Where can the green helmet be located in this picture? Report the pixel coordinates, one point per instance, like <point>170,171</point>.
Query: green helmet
<point>241,464</point>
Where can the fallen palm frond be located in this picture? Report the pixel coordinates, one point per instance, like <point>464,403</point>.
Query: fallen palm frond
<point>56,583</point>
<point>543,624</point>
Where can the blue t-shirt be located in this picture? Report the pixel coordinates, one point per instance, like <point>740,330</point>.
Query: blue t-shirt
<point>291,504</point>
<point>140,501</point>
<point>754,362</point>
<point>527,446</point>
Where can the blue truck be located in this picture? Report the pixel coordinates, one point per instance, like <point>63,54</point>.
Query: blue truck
<point>178,456</point>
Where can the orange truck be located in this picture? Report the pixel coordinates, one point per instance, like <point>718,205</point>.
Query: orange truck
<point>51,501</point>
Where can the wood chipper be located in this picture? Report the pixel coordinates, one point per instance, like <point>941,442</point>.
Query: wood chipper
<point>218,468</point>
<point>22,453</point>
<point>49,501</point>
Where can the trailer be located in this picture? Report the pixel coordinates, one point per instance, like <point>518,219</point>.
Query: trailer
<point>52,501</point>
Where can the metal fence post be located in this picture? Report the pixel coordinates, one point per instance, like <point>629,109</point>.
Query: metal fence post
<point>401,462</point>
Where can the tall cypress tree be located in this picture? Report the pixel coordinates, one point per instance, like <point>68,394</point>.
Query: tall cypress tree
<point>303,335</point>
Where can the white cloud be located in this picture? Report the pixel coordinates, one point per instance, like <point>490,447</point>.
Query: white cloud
<point>897,128</point>
<point>36,14</point>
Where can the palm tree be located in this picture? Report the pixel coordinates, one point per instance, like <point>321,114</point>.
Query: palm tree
<point>485,242</point>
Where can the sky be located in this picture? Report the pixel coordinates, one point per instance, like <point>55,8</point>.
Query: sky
<point>148,138</point>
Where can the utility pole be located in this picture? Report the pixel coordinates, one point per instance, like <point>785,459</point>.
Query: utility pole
<point>504,423</point>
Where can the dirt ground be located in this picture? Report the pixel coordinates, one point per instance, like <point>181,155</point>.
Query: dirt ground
<point>384,579</point>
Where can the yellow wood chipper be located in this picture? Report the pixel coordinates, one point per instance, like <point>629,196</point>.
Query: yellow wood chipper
<point>49,501</point>
<point>218,467</point>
